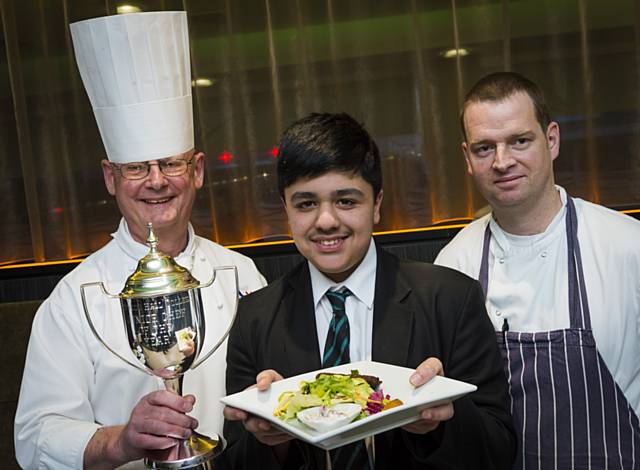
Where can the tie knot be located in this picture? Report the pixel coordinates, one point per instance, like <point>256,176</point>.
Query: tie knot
<point>337,299</point>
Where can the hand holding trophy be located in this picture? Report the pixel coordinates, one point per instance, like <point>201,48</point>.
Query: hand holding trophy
<point>164,320</point>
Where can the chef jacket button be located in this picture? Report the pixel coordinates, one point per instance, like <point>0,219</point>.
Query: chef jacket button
<point>543,254</point>
<point>501,260</point>
<point>498,313</point>
<point>202,258</point>
<point>220,306</point>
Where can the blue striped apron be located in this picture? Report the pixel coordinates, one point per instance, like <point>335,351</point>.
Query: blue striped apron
<point>568,411</point>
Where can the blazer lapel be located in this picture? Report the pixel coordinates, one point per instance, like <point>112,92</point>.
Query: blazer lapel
<point>392,313</point>
<point>300,336</point>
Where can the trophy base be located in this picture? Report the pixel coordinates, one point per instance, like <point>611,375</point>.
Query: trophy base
<point>197,452</point>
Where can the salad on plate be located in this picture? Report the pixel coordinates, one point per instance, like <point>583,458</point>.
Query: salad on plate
<point>333,400</point>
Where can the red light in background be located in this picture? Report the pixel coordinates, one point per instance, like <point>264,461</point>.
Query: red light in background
<point>58,210</point>
<point>274,152</point>
<point>225,158</point>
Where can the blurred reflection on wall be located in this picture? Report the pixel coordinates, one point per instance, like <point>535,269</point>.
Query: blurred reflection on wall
<point>400,67</point>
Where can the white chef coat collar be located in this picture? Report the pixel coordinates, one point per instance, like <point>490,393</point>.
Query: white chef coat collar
<point>505,240</point>
<point>137,250</point>
<point>361,283</point>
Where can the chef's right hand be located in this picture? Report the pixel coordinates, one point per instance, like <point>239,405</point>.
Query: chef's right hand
<point>155,426</point>
<point>158,421</point>
<point>262,429</point>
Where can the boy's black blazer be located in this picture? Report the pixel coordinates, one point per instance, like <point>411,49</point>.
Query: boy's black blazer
<point>420,311</point>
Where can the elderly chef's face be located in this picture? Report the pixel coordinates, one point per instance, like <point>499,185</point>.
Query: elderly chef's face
<point>165,201</point>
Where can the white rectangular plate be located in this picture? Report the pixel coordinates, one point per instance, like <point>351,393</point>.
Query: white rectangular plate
<point>395,382</point>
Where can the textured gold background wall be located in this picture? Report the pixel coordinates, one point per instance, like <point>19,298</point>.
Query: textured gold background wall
<point>264,63</point>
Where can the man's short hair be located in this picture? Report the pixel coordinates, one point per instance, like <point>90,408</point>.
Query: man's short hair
<point>324,142</point>
<point>502,85</point>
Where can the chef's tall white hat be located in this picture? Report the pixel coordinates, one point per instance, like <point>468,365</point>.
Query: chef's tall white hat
<point>137,74</point>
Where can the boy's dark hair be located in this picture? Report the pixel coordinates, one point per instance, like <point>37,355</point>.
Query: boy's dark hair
<point>502,85</point>
<point>324,142</point>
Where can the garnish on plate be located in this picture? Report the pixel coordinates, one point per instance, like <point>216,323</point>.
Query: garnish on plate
<point>318,400</point>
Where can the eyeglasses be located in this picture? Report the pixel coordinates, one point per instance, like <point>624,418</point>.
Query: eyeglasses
<point>140,170</point>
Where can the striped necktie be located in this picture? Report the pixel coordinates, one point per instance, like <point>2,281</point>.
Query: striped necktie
<point>336,351</point>
<point>336,348</point>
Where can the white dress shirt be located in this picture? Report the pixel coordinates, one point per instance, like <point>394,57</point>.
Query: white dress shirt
<point>528,281</point>
<point>72,385</point>
<point>358,306</point>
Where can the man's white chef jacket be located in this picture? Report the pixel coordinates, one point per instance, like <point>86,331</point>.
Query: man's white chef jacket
<point>72,385</point>
<point>528,281</point>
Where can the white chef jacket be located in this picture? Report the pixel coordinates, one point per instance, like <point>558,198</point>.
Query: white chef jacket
<point>358,307</point>
<point>72,385</point>
<point>528,281</point>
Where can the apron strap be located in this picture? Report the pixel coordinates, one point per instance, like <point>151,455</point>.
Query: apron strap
<point>578,303</point>
<point>483,277</point>
<point>579,315</point>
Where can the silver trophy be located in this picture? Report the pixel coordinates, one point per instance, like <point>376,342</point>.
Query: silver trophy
<point>165,325</point>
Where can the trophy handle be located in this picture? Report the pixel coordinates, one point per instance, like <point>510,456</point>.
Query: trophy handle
<point>93,328</point>
<point>235,311</point>
<point>213,276</point>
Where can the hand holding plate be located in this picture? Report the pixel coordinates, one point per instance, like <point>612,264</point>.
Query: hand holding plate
<point>431,417</point>
<point>262,429</point>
